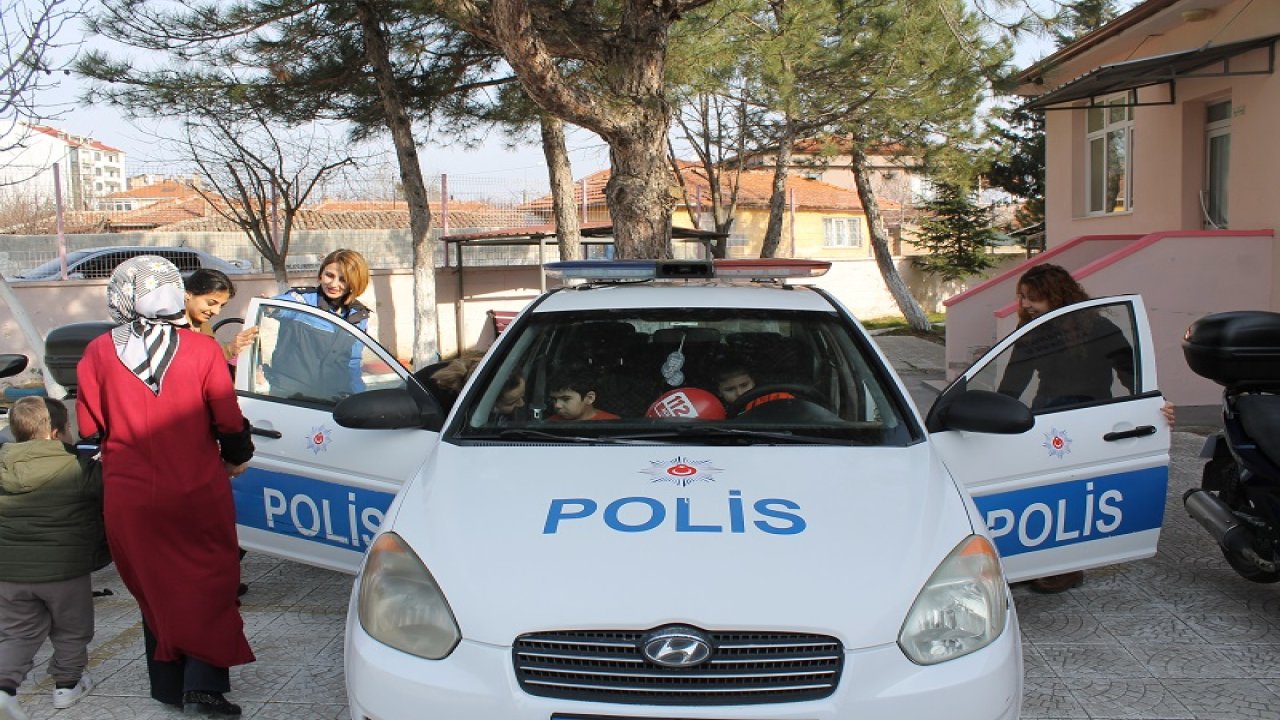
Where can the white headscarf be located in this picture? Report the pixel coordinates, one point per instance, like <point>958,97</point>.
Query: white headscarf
<point>145,295</point>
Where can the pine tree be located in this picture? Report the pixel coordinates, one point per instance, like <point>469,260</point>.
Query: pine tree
<point>956,234</point>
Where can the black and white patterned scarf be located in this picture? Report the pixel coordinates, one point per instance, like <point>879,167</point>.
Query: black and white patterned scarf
<point>145,295</point>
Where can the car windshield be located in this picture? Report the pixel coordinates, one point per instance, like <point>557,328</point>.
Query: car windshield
<point>680,375</point>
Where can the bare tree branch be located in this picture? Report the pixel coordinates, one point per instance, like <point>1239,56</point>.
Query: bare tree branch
<point>30,63</point>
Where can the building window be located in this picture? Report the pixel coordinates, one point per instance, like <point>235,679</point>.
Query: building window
<point>1109,143</point>
<point>842,232</point>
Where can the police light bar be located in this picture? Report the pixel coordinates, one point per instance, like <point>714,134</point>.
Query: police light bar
<point>765,269</point>
<point>771,268</point>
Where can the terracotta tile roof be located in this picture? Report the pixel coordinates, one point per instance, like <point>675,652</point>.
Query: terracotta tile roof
<point>755,189</point>
<point>73,140</point>
<point>163,190</point>
<point>372,219</point>
<point>164,213</point>
<point>73,223</point>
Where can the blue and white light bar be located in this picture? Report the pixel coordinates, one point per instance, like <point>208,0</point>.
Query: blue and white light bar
<point>636,270</point>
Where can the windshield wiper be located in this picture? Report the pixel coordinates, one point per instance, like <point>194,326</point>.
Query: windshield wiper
<point>688,431</point>
<point>513,433</point>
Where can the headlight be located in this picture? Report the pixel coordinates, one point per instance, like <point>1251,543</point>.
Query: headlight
<point>961,609</point>
<point>401,605</point>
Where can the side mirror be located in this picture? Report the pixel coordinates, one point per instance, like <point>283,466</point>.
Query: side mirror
<point>981,411</point>
<point>12,364</point>
<point>388,409</point>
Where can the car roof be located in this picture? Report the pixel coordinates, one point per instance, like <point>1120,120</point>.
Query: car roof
<point>131,248</point>
<point>684,294</point>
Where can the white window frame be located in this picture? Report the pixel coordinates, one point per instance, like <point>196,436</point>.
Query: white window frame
<point>1117,118</point>
<point>1216,129</point>
<point>841,232</point>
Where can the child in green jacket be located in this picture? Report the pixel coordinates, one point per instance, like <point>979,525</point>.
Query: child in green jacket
<point>51,540</point>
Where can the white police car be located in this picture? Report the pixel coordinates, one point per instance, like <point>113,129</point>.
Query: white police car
<point>612,523</point>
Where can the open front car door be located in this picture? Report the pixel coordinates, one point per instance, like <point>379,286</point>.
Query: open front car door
<point>338,426</point>
<point>1085,485</point>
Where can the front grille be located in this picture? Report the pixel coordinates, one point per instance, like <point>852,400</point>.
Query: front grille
<point>744,668</point>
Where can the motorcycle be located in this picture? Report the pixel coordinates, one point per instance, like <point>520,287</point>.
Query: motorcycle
<point>1238,501</point>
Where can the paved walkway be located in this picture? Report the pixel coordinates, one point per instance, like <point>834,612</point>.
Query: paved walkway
<point>1177,636</point>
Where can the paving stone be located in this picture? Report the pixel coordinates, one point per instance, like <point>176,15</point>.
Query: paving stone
<point>1128,698</point>
<point>1171,660</point>
<point>1153,625</point>
<point>1049,699</point>
<point>1092,661</point>
<point>1065,627</point>
<point>1227,699</point>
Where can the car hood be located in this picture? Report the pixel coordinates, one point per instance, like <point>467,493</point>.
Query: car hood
<point>833,540</point>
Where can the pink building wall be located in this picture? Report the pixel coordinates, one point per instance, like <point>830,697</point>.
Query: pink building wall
<point>1168,162</point>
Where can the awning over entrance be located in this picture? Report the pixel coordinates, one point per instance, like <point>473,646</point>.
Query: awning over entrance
<point>1169,68</point>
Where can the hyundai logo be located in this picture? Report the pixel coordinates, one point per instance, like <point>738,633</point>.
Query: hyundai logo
<point>677,647</point>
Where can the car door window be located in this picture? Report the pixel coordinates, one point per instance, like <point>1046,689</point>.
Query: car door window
<point>315,360</point>
<point>186,262</point>
<point>1077,359</point>
<point>100,266</point>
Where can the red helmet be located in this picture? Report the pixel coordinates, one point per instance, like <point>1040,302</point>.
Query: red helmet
<point>687,403</point>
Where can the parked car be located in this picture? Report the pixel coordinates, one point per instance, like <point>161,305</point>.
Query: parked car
<point>812,548</point>
<point>97,263</point>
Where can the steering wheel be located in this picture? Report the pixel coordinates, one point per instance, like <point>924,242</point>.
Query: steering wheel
<point>799,392</point>
<point>227,321</point>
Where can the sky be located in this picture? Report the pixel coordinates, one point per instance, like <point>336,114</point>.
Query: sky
<point>494,164</point>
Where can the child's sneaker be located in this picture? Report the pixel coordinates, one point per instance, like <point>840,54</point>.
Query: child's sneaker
<point>10,709</point>
<point>64,698</point>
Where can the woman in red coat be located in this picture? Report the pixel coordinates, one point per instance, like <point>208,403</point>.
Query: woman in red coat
<point>172,436</point>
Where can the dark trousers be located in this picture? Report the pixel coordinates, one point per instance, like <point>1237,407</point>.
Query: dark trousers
<point>171,678</point>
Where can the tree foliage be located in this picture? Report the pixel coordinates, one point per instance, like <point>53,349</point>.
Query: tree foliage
<point>1018,168</point>
<point>955,233</point>
<point>898,72</point>
<point>380,65</point>
<point>1018,165</point>
<point>600,66</point>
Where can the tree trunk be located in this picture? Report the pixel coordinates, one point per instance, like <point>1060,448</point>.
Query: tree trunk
<point>639,189</point>
<point>778,198</point>
<point>426,349</point>
<point>911,310</point>
<point>554,148</point>
<point>629,110</point>
<point>281,273</point>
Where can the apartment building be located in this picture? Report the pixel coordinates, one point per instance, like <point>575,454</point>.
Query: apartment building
<point>89,169</point>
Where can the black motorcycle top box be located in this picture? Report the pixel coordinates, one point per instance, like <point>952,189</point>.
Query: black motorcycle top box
<point>1238,349</point>
<point>64,346</point>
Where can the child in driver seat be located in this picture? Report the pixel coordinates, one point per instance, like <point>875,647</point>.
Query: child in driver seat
<point>573,396</point>
<point>734,379</point>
